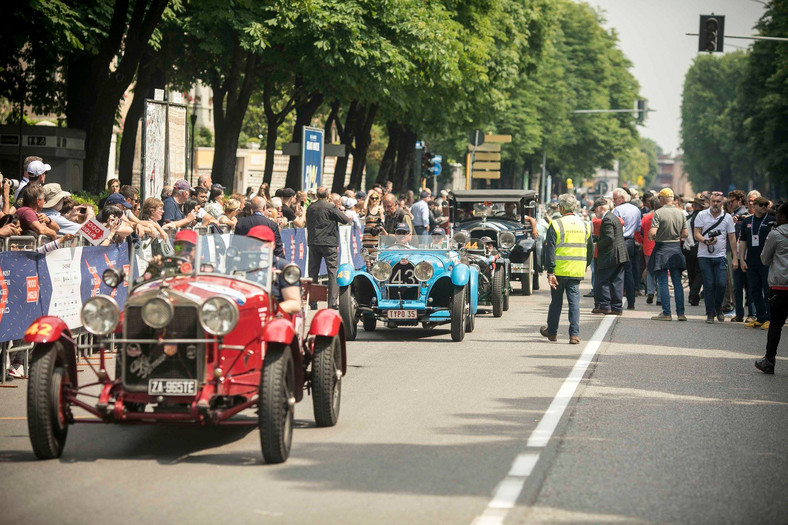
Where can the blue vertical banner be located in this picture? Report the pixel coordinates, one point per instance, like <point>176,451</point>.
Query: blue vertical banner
<point>21,293</point>
<point>312,150</point>
<point>294,241</point>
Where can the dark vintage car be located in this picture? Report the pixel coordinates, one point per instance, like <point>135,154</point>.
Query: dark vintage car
<point>501,215</point>
<point>198,342</point>
<point>493,287</point>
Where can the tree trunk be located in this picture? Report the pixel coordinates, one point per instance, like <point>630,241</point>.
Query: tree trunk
<point>304,113</point>
<point>95,83</point>
<point>346,135</point>
<point>406,151</point>
<point>273,120</point>
<point>390,155</point>
<point>150,76</point>
<point>231,96</point>
<point>363,140</point>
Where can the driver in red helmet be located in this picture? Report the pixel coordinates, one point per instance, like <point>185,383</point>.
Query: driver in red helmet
<point>288,296</point>
<point>182,261</point>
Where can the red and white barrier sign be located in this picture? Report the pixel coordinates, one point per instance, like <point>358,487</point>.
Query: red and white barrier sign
<point>94,231</point>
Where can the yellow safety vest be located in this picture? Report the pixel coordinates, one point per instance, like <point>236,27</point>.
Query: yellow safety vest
<point>571,246</point>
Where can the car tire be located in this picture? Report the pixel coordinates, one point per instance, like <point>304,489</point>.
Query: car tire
<point>47,411</point>
<point>347,310</point>
<point>507,292</point>
<point>327,380</point>
<point>458,312</point>
<point>527,280</point>
<point>277,404</point>
<point>497,293</point>
<point>369,322</point>
<point>470,323</point>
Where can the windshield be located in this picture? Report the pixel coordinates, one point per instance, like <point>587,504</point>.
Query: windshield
<point>414,242</point>
<point>477,210</point>
<point>237,256</point>
<point>232,255</point>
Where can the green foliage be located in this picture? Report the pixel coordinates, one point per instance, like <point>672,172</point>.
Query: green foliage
<point>203,138</point>
<point>715,152</point>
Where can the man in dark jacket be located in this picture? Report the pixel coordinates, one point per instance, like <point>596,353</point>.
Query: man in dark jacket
<point>258,218</point>
<point>611,257</point>
<point>322,229</point>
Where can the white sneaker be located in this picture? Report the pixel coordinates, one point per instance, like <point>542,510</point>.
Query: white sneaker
<point>16,370</point>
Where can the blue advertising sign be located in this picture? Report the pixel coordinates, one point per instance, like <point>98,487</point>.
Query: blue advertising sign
<point>312,150</point>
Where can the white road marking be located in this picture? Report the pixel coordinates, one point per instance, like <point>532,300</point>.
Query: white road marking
<point>508,491</point>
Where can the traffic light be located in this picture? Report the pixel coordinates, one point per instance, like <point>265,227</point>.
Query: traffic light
<point>642,111</point>
<point>426,163</point>
<point>711,33</point>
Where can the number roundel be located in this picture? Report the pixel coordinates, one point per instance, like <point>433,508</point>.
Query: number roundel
<point>403,273</point>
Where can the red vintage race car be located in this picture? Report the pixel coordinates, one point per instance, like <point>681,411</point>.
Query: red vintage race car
<point>201,337</point>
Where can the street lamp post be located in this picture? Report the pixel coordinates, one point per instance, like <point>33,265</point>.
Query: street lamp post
<point>193,119</point>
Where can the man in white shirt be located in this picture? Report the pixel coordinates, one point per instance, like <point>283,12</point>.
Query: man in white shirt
<point>421,214</point>
<point>713,231</point>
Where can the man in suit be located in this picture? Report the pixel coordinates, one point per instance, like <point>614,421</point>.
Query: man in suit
<point>322,228</point>
<point>258,218</point>
<point>610,263</point>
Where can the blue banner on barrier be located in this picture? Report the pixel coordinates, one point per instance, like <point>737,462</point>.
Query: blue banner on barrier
<point>20,293</point>
<point>294,240</point>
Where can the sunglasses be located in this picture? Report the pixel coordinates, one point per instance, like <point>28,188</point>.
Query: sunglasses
<point>374,198</point>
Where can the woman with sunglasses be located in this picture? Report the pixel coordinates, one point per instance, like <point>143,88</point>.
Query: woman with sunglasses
<point>373,220</point>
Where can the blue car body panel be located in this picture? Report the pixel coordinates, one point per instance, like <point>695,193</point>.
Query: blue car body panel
<point>448,271</point>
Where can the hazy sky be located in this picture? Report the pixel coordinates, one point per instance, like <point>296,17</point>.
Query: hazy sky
<point>652,36</point>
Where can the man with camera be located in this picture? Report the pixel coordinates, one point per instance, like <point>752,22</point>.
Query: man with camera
<point>714,230</point>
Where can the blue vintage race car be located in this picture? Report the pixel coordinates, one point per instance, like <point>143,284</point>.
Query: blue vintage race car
<point>410,280</point>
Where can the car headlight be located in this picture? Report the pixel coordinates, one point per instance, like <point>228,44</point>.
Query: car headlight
<point>100,315</point>
<point>506,240</point>
<point>291,274</point>
<point>112,277</point>
<point>460,238</point>
<point>157,313</point>
<point>381,271</point>
<point>423,271</point>
<point>218,315</point>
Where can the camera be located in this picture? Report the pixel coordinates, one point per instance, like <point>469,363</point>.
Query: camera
<point>11,182</point>
<point>712,235</point>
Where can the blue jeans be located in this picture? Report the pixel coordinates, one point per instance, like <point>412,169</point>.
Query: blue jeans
<point>570,285</point>
<point>714,271</point>
<point>664,290</point>
<point>758,282</point>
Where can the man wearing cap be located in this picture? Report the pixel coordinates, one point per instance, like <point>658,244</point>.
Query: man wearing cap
<point>421,214</point>
<point>609,264</point>
<point>257,218</point>
<point>668,228</point>
<point>53,202</point>
<point>754,231</point>
<point>403,236</point>
<point>322,226</point>
<point>35,175</point>
<point>173,206</point>
<point>288,296</point>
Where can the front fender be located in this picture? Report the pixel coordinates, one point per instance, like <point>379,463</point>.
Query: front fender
<point>473,281</point>
<point>327,323</point>
<point>48,329</point>
<point>278,331</point>
<point>345,274</point>
<point>460,275</point>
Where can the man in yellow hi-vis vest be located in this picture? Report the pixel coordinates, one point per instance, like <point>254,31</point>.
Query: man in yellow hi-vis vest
<point>567,254</point>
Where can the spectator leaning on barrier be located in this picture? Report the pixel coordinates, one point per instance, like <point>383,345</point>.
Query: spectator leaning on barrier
<point>256,218</point>
<point>36,176</point>
<point>112,219</point>
<point>668,228</point>
<point>775,256</point>
<point>231,210</point>
<point>215,204</point>
<point>54,197</point>
<point>322,221</point>
<point>173,206</point>
<point>567,256</point>
<point>714,230</point>
<point>31,220</point>
<point>755,229</point>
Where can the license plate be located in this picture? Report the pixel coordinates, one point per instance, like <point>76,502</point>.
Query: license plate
<point>172,387</point>
<point>401,314</point>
